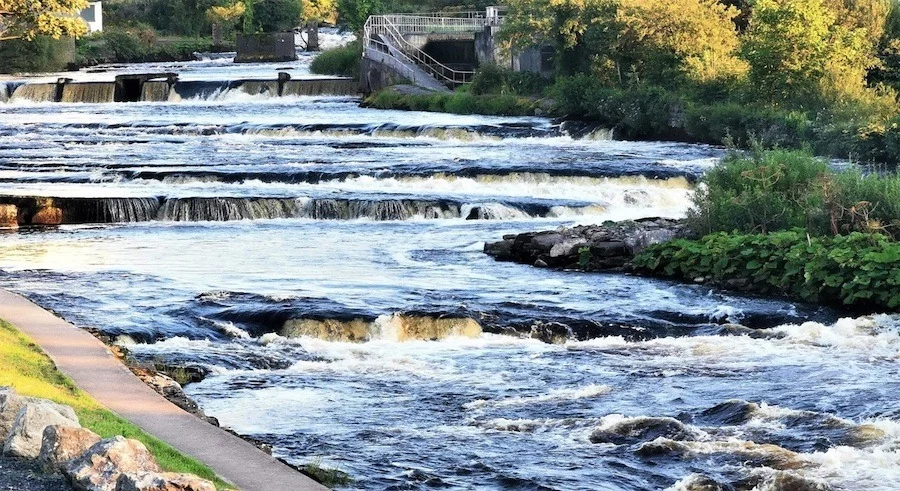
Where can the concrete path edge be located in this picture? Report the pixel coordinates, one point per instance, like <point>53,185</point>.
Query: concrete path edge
<point>87,361</point>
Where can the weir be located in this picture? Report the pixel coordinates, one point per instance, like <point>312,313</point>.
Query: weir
<point>89,92</point>
<point>39,210</point>
<point>165,87</point>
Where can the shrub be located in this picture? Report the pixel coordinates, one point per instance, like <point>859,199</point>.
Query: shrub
<point>768,191</point>
<point>342,61</point>
<point>857,269</point>
<point>781,189</point>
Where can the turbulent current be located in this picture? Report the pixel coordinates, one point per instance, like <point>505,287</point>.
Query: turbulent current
<point>321,264</point>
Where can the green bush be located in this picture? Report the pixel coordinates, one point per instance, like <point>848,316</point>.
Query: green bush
<point>137,44</point>
<point>491,79</point>
<point>43,54</point>
<point>782,189</point>
<point>342,61</point>
<point>858,269</point>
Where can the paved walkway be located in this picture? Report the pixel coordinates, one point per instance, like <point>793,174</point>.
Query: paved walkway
<point>87,361</point>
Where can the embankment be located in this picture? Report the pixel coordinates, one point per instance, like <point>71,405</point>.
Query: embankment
<point>90,365</point>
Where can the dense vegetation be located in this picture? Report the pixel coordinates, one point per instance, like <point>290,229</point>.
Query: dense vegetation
<point>139,44</point>
<point>783,223</point>
<point>30,372</point>
<point>342,61</point>
<point>780,190</point>
<point>858,269</point>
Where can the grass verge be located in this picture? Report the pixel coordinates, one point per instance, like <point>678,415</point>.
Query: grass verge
<point>30,372</point>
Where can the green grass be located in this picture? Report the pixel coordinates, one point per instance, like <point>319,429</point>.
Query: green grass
<point>30,372</point>
<point>459,102</point>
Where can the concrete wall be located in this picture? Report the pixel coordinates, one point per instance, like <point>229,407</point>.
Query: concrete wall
<point>93,16</point>
<point>277,46</point>
<point>538,59</point>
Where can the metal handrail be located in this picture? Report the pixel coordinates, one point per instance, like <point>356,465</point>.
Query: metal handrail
<point>384,25</point>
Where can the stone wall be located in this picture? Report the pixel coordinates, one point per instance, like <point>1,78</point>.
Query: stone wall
<point>278,46</point>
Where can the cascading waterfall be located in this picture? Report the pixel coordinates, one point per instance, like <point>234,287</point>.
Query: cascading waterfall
<point>155,91</point>
<point>35,93</point>
<point>322,86</point>
<point>89,92</point>
<point>225,209</point>
<point>260,87</point>
<point>120,210</point>
<point>4,92</point>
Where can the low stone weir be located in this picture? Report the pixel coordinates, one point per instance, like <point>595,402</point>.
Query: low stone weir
<point>155,91</point>
<point>320,86</point>
<point>150,88</point>
<point>36,93</point>
<point>57,211</point>
<point>89,92</point>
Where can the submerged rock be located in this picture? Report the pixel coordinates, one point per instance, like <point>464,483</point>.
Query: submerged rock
<point>100,467</point>
<point>62,444</point>
<point>594,247</point>
<point>396,327</point>
<point>641,429</point>
<point>9,216</point>
<point>355,330</point>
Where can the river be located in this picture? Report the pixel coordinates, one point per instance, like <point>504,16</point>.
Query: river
<point>350,220</point>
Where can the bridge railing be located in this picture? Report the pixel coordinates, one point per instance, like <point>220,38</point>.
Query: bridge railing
<point>385,28</point>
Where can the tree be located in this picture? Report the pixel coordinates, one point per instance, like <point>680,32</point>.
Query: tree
<point>353,14</point>
<point>320,10</point>
<point>564,24</point>
<point>224,15</point>
<point>272,15</point>
<point>800,55</point>
<point>663,39</point>
<point>29,18</point>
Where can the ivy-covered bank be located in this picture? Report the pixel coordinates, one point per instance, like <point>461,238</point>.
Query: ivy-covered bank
<point>859,269</point>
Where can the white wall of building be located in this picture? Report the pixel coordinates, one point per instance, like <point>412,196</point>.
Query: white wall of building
<point>93,15</point>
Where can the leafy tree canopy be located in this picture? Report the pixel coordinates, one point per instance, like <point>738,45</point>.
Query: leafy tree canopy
<point>29,18</point>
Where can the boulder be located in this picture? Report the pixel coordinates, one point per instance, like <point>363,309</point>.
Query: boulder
<point>9,216</point>
<point>63,444</point>
<point>641,240</point>
<point>164,481</point>
<point>27,432</point>
<point>100,467</point>
<point>50,215</point>
<point>10,403</point>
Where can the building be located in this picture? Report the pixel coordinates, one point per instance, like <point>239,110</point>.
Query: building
<point>93,16</point>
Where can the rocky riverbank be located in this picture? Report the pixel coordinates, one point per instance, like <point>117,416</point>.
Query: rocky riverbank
<point>606,247</point>
<point>39,434</point>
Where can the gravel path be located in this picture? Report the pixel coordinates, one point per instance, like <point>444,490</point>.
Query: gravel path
<point>24,475</point>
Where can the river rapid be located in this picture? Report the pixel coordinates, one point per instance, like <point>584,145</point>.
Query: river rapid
<point>322,263</point>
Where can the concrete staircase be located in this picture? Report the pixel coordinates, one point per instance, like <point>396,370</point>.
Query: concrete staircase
<point>386,41</point>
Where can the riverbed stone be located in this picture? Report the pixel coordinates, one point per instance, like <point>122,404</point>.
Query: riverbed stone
<point>27,433</point>
<point>49,215</point>
<point>612,245</point>
<point>162,481</point>
<point>9,216</point>
<point>100,467</point>
<point>62,444</point>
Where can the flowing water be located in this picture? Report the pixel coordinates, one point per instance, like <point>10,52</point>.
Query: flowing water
<point>322,264</point>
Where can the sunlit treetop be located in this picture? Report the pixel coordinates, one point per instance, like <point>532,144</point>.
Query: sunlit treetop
<point>29,18</point>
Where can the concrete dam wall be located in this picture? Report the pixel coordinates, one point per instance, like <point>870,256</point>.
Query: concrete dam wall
<point>167,88</point>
